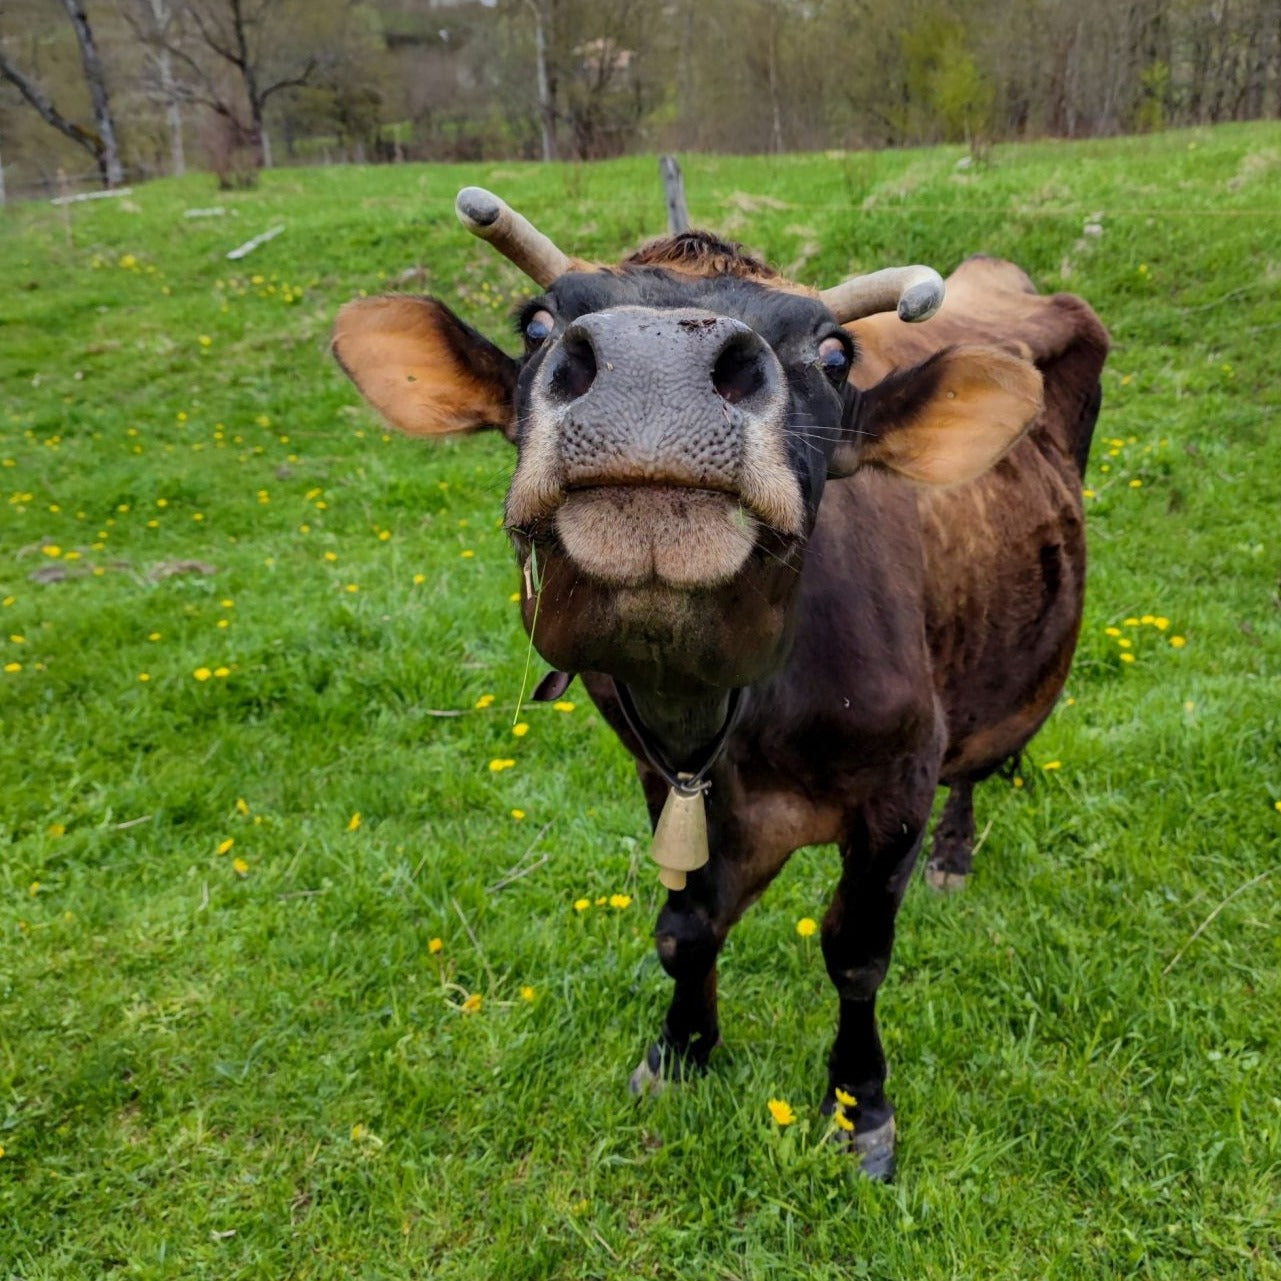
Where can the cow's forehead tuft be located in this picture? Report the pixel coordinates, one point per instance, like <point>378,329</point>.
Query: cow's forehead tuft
<point>701,253</point>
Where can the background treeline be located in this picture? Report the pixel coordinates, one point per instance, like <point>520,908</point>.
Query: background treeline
<point>130,88</point>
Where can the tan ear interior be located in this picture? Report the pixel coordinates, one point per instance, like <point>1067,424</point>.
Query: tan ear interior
<point>983,402</point>
<point>401,354</point>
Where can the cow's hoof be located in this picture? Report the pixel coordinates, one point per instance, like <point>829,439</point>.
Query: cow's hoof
<point>944,879</point>
<point>663,1066</point>
<point>875,1149</point>
<point>647,1081</point>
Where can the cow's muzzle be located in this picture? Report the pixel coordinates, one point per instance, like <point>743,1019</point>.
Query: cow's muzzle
<point>656,441</point>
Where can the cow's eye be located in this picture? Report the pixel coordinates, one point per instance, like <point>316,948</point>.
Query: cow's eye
<point>539,326</point>
<point>834,359</point>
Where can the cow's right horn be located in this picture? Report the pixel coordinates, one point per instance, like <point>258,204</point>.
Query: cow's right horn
<point>515,237</point>
<point>916,293</point>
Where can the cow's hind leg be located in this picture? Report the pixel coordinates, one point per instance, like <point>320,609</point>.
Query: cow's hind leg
<point>858,935</point>
<point>952,848</point>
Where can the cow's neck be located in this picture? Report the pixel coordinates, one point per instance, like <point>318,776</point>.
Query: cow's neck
<point>680,734</point>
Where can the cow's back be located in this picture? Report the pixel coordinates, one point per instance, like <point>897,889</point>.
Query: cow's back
<point>1004,554</point>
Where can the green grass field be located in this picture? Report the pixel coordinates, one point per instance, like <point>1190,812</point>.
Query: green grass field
<point>265,1009</point>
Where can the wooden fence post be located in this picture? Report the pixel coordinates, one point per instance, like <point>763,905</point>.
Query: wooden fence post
<point>674,191</point>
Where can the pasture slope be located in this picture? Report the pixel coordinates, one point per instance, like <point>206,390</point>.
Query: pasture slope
<point>263,1013</point>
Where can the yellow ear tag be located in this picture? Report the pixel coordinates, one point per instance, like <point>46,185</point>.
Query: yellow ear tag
<point>680,839</point>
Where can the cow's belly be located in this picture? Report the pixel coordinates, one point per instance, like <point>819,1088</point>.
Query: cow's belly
<point>1005,569</point>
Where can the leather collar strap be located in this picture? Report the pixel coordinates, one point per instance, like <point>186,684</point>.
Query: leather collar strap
<point>682,782</point>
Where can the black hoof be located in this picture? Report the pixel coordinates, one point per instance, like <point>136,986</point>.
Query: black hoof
<point>944,879</point>
<point>875,1151</point>
<point>663,1066</point>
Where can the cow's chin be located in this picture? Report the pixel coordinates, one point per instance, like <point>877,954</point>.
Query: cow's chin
<point>634,535</point>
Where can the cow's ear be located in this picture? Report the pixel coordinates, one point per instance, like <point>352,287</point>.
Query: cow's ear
<point>425,371</point>
<point>945,421</point>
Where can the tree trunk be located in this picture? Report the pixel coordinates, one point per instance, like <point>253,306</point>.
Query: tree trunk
<point>545,112</point>
<point>109,156</point>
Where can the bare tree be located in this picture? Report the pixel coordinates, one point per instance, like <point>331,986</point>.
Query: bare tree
<point>100,139</point>
<point>156,25</point>
<point>239,36</point>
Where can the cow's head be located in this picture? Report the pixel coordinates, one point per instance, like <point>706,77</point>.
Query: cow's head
<point>676,417</point>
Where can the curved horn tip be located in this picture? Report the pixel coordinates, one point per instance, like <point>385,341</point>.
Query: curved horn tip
<point>477,207</point>
<point>921,301</point>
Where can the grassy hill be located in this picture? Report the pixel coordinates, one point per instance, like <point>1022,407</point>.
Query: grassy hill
<point>264,1012</point>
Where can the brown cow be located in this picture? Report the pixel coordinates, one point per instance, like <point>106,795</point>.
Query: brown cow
<point>807,573</point>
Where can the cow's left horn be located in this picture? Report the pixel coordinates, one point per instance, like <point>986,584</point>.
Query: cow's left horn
<point>516,238</point>
<point>916,293</point>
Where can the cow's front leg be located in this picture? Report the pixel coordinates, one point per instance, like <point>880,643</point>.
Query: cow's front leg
<point>689,938</point>
<point>858,935</point>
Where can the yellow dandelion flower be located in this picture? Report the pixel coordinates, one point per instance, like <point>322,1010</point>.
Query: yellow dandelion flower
<point>227,603</point>
<point>1148,619</point>
<point>1017,781</point>
<point>484,701</point>
<point>224,846</point>
<point>1178,642</point>
<point>353,587</point>
<point>582,904</point>
<point>1088,493</point>
<point>472,1003</point>
<point>331,556</point>
<point>1127,658</point>
<point>435,946</point>
<point>240,867</point>
<point>419,579</point>
<point>781,1111</point>
<point>600,902</point>
<point>841,1121</point>
<point>620,901</point>
<point>806,927</point>
<point>514,597</point>
<point>223,622</point>
<point>1052,765</point>
<point>1276,805</point>
<point>520,730</point>
<point>144,677</point>
<point>845,1099</point>
<point>57,829</point>
<point>34,888</point>
<point>8,600</point>
<point>1125,643</point>
<point>52,549</point>
<point>527,993</point>
<point>358,1132</point>
<point>263,420</point>
<point>1112,631</point>
<point>1131,622</point>
<point>384,535</point>
<point>222,672</point>
<point>202,673</point>
<point>1136,483</point>
<point>563,706</point>
<point>518,815</point>
<point>1160,624</point>
<point>467,553</point>
<point>497,766</point>
<point>12,667</point>
<point>353,822</point>
<point>242,807</point>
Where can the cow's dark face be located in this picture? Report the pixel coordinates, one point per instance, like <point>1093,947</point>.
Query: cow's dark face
<point>674,431</point>
<point>674,434</point>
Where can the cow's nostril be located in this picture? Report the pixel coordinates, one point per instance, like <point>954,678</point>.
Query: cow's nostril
<point>574,370</point>
<point>739,371</point>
